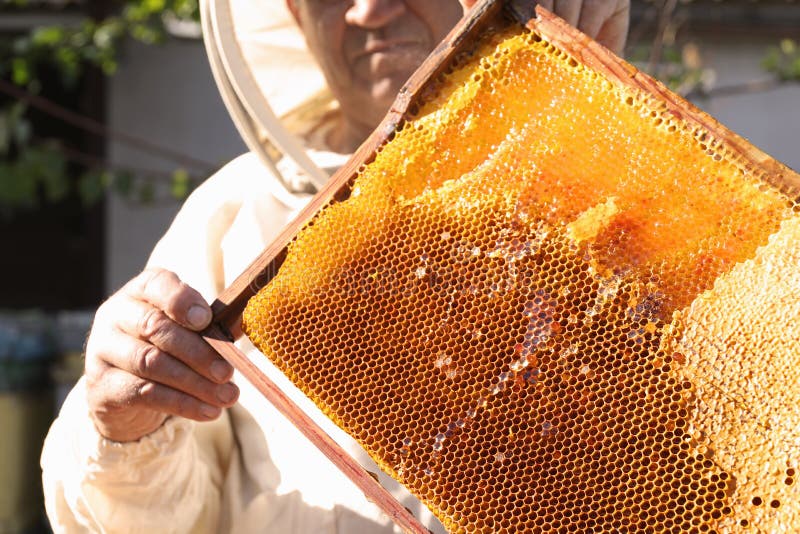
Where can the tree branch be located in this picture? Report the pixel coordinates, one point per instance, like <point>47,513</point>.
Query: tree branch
<point>664,19</point>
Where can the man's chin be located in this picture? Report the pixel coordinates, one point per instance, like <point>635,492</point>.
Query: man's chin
<point>385,90</point>
<point>369,103</point>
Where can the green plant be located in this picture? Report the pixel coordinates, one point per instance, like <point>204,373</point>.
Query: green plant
<point>784,60</point>
<point>35,168</point>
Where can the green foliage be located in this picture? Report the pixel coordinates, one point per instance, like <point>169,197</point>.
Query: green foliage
<point>181,183</point>
<point>93,42</point>
<point>34,169</point>
<point>784,60</point>
<point>38,169</point>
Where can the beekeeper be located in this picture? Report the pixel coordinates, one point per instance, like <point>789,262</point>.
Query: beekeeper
<point>159,435</point>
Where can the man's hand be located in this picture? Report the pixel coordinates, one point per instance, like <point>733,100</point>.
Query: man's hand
<point>145,360</point>
<point>606,21</point>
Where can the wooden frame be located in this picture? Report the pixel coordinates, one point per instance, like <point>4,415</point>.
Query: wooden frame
<point>228,306</point>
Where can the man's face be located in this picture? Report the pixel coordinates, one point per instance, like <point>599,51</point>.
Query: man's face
<point>369,48</point>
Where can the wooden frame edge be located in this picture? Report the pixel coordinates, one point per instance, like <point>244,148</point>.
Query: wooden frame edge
<point>354,471</point>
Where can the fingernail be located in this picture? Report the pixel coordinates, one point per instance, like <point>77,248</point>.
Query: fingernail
<point>198,316</point>
<point>220,370</point>
<point>212,412</point>
<point>227,392</point>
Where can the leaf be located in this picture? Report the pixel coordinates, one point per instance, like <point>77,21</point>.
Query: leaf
<point>18,186</point>
<point>22,131</point>
<point>47,36</point>
<point>109,66</point>
<point>19,128</point>
<point>672,55</point>
<point>122,183</point>
<point>186,9</point>
<point>22,46</point>
<point>135,12</point>
<point>51,167</point>
<point>79,39</point>
<point>180,184</point>
<point>154,6</point>
<point>108,33</point>
<point>771,60</point>
<point>69,64</point>
<point>794,72</point>
<point>91,186</point>
<point>20,71</point>
<point>147,192</point>
<point>147,33</point>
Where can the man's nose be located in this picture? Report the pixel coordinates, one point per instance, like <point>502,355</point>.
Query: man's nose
<point>374,14</point>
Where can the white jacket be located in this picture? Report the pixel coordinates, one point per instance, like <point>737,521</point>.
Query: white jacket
<point>249,471</point>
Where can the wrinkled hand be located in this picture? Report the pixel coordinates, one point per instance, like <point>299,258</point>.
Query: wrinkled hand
<point>145,360</point>
<point>606,21</point>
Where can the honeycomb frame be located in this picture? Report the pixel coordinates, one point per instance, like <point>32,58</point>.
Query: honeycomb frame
<point>581,51</point>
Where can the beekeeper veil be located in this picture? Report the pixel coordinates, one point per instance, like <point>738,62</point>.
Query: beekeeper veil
<point>270,83</point>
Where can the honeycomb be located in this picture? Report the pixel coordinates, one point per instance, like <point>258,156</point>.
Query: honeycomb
<point>549,305</point>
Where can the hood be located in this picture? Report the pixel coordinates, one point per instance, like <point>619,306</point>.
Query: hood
<point>270,83</point>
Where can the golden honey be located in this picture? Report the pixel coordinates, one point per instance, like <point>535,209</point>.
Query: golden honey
<point>551,306</point>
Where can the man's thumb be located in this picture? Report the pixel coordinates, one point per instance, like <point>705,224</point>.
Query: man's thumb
<point>467,4</point>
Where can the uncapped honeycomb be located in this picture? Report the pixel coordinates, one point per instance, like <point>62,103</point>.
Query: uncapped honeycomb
<point>549,305</point>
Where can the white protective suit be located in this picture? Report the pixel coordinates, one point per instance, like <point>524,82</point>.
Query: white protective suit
<point>249,471</point>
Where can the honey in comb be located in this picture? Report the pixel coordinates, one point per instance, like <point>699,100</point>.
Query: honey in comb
<point>525,310</point>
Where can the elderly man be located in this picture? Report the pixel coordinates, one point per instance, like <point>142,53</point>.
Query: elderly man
<point>156,436</point>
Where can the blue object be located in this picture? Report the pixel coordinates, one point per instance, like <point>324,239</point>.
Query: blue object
<point>26,350</point>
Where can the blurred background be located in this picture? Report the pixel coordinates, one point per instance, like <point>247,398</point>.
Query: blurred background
<point>109,117</point>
